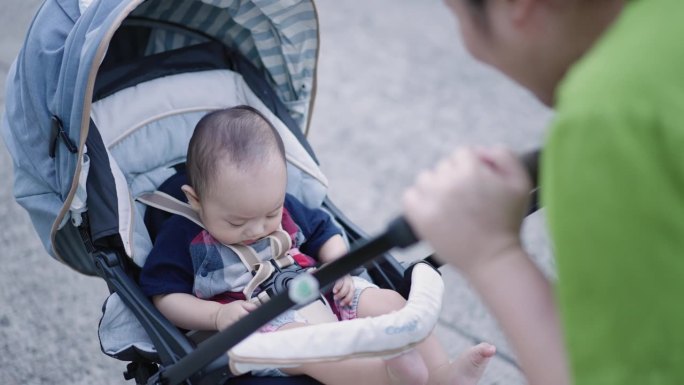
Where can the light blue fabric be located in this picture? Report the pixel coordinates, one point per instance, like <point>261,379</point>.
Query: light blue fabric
<point>48,78</point>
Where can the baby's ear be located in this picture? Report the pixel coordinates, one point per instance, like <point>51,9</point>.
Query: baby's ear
<point>193,199</point>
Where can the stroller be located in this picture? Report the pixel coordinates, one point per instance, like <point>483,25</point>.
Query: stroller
<point>101,103</point>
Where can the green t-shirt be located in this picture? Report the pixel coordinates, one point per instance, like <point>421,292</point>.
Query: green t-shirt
<point>613,184</point>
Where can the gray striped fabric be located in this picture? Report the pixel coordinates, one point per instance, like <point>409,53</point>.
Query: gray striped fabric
<point>279,36</point>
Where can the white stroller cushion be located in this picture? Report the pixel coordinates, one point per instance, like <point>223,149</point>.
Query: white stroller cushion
<point>129,111</point>
<point>383,335</point>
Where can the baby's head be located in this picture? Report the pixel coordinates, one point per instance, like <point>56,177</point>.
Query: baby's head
<point>237,175</point>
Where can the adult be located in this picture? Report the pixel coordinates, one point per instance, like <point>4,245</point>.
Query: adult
<point>612,182</point>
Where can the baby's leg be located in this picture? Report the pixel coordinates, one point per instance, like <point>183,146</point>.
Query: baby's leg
<point>357,371</point>
<point>407,368</point>
<point>466,369</point>
<point>411,366</point>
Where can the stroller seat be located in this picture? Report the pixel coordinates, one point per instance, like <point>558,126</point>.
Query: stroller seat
<point>162,110</point>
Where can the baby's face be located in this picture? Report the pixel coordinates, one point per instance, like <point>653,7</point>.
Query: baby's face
<point>243,206</point>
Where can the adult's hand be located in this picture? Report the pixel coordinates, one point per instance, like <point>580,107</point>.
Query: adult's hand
<point>470,207</point>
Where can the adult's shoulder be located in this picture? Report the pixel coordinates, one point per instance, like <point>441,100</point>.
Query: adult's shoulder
<point>638,61</point>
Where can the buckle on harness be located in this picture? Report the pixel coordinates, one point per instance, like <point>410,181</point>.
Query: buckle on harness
<point>281,278</point>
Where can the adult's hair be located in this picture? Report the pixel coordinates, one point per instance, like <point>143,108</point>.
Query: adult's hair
<point>478,4</point>
<point>240,135</point>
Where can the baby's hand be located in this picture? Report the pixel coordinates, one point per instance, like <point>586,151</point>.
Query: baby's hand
<point>229,313</point>
<point>343,291</point>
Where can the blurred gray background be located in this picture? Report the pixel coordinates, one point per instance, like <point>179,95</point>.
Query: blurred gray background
<point>396,92</point>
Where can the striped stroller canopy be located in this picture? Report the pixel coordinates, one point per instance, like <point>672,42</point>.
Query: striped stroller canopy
<point>50,87</point>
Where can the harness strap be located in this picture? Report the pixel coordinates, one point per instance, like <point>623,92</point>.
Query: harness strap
<point>285,261</point>
<point>262,297</point>
<point>247,255</point>
<point>263,271</point>
<point>166,202</point>
<point>280,242</point>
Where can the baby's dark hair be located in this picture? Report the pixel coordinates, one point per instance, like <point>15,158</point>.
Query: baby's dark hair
<point>240,134</point>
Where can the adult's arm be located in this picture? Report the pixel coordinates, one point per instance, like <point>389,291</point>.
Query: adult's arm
<point>470,208</point>
<point>522,300</point>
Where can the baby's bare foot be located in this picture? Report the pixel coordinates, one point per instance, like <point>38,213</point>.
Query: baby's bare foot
<point>407,369</point>
<point>468,368</point>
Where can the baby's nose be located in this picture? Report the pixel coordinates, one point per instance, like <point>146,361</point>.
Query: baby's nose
<point>255,230</point>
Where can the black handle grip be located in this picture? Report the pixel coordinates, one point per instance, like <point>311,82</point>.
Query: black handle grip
<point>531,162</point>
<point>400,234</point>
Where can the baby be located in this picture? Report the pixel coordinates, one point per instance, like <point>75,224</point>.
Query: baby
<point>236,183</point>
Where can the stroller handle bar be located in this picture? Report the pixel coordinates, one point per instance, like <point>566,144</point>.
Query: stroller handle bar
<point>398,234</point>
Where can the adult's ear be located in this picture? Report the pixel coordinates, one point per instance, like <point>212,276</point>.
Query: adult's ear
<point>193,198</point>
